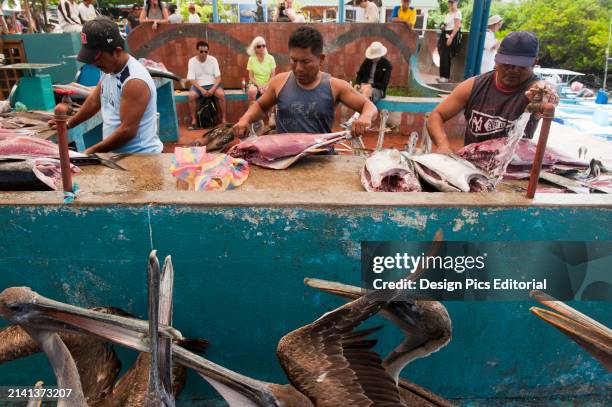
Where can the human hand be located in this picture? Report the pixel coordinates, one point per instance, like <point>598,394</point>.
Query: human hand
<point>444,149</point>
<point>542,92</point>
<point>154,25</point>
<point>241,129</point>
<point>360,126</point>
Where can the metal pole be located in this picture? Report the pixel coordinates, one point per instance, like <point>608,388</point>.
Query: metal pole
<point>215,12</point>
<point>607,54</point>
<point>340,16</point>
<point>61,117</point>
<point>478,30</point>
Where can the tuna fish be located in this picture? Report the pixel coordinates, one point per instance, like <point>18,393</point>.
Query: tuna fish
<point>30,174</point>
<point>279,151</point>
<point>488,155</point>
<point>31,146</point>
<point>389,171</point>
<point>450,173</point>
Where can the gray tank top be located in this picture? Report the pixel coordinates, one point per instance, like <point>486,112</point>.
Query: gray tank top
<point>156,14</point>
<point>300,110</point>
<point>489,111</point>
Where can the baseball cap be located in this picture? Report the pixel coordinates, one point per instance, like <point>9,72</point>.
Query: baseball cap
<point>518,48</point>
<point>100,34</point>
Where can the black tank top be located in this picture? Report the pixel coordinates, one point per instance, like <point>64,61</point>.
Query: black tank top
<point>489,111</point>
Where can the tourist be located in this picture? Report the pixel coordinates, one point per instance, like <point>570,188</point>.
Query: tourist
<point>87,11</point>
<point>375,71</point>
<point>405,14</point>
<point>261,67</point>
<point>371,11</point>
<point>193,16</point>
<point>450,38</point>
<point>205,76</point>
<point>154,11</point>
<point>68,16</point>
<point>491,44</point>
<point>173,16</point>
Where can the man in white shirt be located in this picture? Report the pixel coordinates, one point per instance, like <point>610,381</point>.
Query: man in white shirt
<point>68,16</point>
<point>87,12</point>
<point>193,16</point>
<point>174,17</point>
<point>205,76</point>
<point>371,12</point>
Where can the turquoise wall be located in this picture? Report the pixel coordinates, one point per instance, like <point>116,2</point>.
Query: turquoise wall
<point>238,283</point>
<point>52,49</point>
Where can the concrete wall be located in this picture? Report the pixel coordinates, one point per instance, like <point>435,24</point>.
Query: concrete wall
<point>238,282</point>
<point>345,44</point>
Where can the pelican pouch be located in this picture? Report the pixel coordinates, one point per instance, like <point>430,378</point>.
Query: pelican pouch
<point>207,113</point>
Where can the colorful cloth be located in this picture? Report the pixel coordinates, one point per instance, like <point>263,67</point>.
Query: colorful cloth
<point>208,172</point>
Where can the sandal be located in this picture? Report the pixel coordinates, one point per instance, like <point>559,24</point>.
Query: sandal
<point>193,127</point>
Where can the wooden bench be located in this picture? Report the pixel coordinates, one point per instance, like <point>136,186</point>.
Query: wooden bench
<point>182,96</point>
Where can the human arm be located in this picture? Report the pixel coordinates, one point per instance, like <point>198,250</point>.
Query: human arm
<point>261,106</point>
<point>215,86</point>
<point>356,101</point>
<point>90,107</point>
<point>394,15</point>
<point>446,110</point>
<point>134,101</point>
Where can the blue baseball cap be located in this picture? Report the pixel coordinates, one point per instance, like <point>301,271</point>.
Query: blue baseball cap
<point>518,48</point>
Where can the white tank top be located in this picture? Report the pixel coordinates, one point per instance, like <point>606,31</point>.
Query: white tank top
<point>146,139</point>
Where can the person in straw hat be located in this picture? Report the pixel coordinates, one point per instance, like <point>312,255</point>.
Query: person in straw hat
<point>375,71</point>
<point>491,44</point>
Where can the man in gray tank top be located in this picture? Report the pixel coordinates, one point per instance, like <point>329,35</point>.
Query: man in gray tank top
<point>305,97</point>
<point>492,101</point>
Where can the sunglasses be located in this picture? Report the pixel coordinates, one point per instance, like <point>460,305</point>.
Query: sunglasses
<point>203,52</point>
<point>261,46</point>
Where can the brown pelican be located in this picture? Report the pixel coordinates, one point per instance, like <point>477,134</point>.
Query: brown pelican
<point>328,362</point>
<point>216,138</point>
<point>594,337</point>
<point>426,326</point>
<point>96,362</point>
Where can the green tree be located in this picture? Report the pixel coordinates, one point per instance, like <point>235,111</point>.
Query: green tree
<point>573,33</point>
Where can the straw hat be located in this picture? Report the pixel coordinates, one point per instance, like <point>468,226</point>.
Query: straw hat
<point>376,50</point>
<point>494,20</point>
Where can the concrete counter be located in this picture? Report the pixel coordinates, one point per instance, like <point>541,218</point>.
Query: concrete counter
<point>240,258</point>
<point>313,181</point>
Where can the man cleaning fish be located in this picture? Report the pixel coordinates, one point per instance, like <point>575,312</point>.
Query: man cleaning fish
<point>126,94</point>
<point>493,101</point>
<point>306,98</point>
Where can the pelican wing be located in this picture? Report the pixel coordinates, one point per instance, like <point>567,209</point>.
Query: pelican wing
<point>333,364</point>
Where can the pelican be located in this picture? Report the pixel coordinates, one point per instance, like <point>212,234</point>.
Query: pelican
<point>328,362</point>
<point>594,337</point>
<point>97,363</point>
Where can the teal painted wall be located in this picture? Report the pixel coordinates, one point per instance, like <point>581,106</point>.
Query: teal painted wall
<point>238,282</point>
<point>52,49</point>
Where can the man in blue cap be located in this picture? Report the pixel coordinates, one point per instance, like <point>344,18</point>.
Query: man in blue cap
<point>494,100</point>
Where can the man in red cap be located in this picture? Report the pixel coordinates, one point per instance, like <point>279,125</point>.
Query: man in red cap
<point>494,100</point>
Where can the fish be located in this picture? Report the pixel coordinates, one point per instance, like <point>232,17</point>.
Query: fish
<point>30,174</point>
<point>216,138</point>
<point>389,171</point>
<point>31,146</point>
<point>280,151</point>
<point>488,155</point>
<point>450,173</point>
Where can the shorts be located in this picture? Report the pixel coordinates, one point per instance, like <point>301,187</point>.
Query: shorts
<point>377,94</point>
<point>207,87</point>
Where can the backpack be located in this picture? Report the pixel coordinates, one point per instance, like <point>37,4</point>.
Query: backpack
<point>207,113</point>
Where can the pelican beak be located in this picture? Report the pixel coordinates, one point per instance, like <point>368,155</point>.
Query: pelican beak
<point>22,306</point>
<point>342,290</point>
<point>594,337</point>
